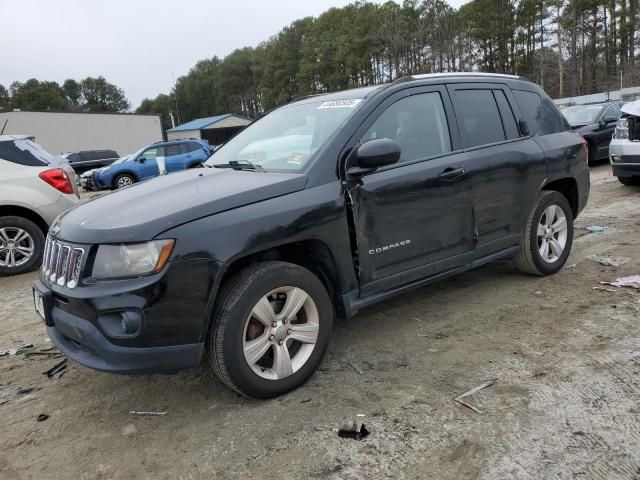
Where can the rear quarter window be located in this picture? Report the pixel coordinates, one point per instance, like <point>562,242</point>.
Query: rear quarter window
<point>541,114</point>
<point>25,152</point>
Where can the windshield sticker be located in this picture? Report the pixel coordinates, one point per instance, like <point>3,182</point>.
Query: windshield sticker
<point>341,103</point>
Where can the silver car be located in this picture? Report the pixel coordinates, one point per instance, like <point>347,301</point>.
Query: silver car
<point>35,188</point>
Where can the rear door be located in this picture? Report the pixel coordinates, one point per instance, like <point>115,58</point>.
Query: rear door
<point>175,159</point>
<point>506,168</point>
<point>413,219</point>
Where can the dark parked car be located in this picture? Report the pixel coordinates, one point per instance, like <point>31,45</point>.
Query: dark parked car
<point>596,123</point>
<point>89,159</point>
<point>320,208</point>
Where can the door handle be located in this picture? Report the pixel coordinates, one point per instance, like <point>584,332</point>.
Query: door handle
<point>452,173</point>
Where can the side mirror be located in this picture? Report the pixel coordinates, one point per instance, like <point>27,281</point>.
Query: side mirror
<point>378,153</point>
<point>610,118</point>
<point>524,127</point>
<point>142,159</point>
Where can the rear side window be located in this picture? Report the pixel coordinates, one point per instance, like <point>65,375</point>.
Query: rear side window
<point>530,105</point>
<point>171,150</point>
<point>191,147</point>
<point>508,120</point>
<point>481,122</point>
<point>25,152</point>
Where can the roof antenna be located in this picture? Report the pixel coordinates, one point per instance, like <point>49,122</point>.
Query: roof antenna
<point>4,126</point>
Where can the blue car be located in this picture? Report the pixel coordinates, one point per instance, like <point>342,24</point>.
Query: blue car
<point>142,165</point>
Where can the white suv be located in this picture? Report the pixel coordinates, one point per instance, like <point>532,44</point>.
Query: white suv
<point>34,189</point>
<point>624,150</point>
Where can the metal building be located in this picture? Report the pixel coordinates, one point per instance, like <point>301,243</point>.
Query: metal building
<point>61,132</point>
<point>216,130</point>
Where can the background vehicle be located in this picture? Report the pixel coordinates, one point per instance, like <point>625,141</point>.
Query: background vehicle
<point>142,165</point>
<point>86,178</point>
<point>596,124</point>
<point>89,159</point>
<point>34,190</point>
<point>348,199</point>
<point>625,145</point>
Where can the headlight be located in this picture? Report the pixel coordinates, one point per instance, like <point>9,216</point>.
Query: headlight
<point>130,260</point>
<point>622,129</point>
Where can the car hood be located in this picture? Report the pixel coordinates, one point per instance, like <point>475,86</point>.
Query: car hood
<point>142,211</point>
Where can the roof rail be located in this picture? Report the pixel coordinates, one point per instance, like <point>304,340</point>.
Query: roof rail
<point>409,78</point>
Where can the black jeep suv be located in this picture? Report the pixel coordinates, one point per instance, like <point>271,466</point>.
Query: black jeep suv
<point>320,208</point>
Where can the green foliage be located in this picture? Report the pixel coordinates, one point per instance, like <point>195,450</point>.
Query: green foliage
<point>570,47</point>
<point>88,95</point>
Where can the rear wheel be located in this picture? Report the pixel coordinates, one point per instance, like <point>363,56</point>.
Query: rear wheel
<point>21,245</point>
<point>630,181</point>
<point>271,329</point>
<point>123,180</point>
<point>548,235</point>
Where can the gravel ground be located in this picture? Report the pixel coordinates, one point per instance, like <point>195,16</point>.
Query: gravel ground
<point>565,404</point>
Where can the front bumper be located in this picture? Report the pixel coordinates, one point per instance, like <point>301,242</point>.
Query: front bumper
<point>624,156</point>
<point>174,312</point>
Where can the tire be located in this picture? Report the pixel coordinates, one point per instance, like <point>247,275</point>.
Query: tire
<point>235,325</point>
<point>630,181</point>
<point>123,180</point>
<point>14,257</point>
<point>530,259</point>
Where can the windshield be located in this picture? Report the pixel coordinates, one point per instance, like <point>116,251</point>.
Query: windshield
<point>582,115</point>
<point>288,137</point>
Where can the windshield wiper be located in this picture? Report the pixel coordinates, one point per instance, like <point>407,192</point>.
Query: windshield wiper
<point>240,165</point>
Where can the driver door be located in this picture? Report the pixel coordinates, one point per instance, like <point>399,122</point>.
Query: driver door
<point>147,164</point>
<point>413,219</point>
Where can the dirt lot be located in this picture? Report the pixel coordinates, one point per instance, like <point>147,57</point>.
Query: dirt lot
<point>566,402</point>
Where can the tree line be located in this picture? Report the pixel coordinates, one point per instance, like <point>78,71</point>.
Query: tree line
<point>570,47</point>
<point>87,95</point>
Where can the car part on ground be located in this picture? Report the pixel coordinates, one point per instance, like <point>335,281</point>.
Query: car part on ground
<point>325,206</point>
<point>34,190</point>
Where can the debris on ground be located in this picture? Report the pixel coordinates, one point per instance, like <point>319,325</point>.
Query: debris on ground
<point>355,430</point>
<point>605,289</point>
<point>596,228</point>
<point>538,292</point>
<point>42,417</point>
<point>129,429</point>
<point>44,354</point>
<point>632,281</point>
<point>355,366</point>
<point>471,392</point>
<point>25,390</point>
<point>609,261</point>
<point>570,267</point>
<point>147,414</point>
<point>305,400</point>
<point>57,370</point>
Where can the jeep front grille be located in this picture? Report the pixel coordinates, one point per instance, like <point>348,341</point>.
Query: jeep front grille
<point>62,263</point>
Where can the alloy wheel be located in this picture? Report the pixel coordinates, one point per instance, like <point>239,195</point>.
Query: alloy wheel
<point>124,182</point>
<point>552,233</point>
<point>16,247</point>
<point>280,333</point>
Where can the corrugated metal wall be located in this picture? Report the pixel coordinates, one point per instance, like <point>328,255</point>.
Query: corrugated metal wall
<point>72,132</point>
<point>177,135</point>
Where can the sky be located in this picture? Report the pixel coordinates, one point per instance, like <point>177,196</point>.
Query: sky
<point>139,45</point>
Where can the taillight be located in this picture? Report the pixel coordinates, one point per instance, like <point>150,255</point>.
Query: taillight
<point>585,151</point>
<point>58,179</point>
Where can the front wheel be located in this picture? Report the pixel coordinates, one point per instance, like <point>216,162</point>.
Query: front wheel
<point>548,235</point>
<point>271,329</point>
<point>21,245</point>
<point>123,180</point>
